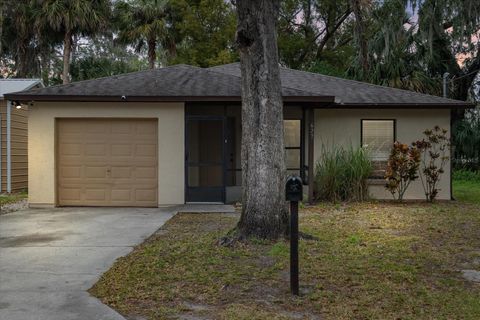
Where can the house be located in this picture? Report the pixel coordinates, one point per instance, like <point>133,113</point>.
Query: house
<point>172,135</point>
<point>13,136</point>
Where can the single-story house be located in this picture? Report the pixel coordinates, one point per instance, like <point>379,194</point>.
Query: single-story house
<point>172,135</point>
<point>13,136</point>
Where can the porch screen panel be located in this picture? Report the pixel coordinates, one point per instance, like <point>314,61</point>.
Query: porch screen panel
<point>378,136</point>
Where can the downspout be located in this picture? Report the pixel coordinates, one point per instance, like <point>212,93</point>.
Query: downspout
<point>9,147</point>
<point>1,167</point>
<point>452,155</point>
<point>311,147</point>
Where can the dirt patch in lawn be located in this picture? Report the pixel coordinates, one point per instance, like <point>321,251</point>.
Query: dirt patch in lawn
<point>371,261</point>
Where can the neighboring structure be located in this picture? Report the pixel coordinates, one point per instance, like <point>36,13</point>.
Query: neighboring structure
<point>13,136</point>
<point>172,135</point>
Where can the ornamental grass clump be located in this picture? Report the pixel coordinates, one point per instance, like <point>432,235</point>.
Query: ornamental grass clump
<point>435,150</point>
<point>402,169</point>
<point>341,174</point>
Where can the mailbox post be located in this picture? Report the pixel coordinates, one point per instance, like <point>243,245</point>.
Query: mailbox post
<point>294,194</point>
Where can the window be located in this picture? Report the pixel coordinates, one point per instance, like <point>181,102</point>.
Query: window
<point>292,134</point>
<point>378,136</point>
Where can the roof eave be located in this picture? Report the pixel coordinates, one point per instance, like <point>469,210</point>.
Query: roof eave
<point>466,105</point>
<point>27,98</point>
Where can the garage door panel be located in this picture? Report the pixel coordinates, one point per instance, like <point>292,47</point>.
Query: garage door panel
<point>121,172</point>
<point>122,195</point>
<point>146,130</point>
<point>110,162</point>
<point>121,149</point>
<point>70,149</point>
<point>71,172</point>
<point>145,150</point>
<point>67,194</point>
<point>145,172</point>
<point>96,149</point>
<point>145,194</point>
<point>95,194</point>
<point>71,127</point>
<point>123,127</point>
<point>96,126</point>
<point>99,172</point>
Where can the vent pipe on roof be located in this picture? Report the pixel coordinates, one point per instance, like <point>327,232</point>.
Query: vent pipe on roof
<point>445,84</point>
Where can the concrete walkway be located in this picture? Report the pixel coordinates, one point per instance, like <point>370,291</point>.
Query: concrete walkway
<point>50,257</point>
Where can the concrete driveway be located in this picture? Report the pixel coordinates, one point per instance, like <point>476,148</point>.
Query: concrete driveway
<point>50,257</point>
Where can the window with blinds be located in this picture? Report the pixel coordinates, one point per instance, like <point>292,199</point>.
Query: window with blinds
<point>378,136</point>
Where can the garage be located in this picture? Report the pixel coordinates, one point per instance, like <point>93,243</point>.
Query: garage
<point>107,162</point>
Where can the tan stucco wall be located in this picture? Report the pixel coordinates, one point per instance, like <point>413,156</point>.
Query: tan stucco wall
<point>342,127</point>
<point>41,144</point>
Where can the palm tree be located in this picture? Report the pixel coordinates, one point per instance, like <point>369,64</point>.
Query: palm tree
<point>17,38</point>
<point>145,22</point>
<point>71,17</point>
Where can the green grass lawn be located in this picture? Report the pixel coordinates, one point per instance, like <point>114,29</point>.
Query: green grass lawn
<point>467,191</point>
<point>371,261</point>
<point>14,197</point>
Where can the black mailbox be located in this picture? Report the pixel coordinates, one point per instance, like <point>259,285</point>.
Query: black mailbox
<point>294,189</point>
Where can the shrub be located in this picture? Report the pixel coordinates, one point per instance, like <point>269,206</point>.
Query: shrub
<point>402,169</point>
<point>466,138</point>
<point>435,148</point>
<point>341,174</point>
<point>466,175</point>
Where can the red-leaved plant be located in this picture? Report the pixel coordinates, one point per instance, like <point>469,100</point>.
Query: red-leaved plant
<point>402,168</point>
<point>435,149</point>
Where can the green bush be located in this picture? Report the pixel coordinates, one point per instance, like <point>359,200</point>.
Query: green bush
<point>466,175</point>
<point>341,174</point>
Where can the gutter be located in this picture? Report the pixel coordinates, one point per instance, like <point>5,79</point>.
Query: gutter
<point>458,105</point>
<point>97,98</point>
<point>331,100</point>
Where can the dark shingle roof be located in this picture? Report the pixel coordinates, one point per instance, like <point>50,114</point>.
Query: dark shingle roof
<point>222,83</point>
<point>175,83</point>
<point>348,92</point>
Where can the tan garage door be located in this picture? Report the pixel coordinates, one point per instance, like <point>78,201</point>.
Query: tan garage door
<point>107,162</point>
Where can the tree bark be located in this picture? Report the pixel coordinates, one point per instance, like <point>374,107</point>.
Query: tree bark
<point>21,63</point>
<point>45,64</point>
<point>152,53</point>
<point>360,36</point>
<point>2,18</point>
<point>264,210</point>
<point>67,49</point>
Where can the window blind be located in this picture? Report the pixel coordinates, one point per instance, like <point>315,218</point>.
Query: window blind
<point>378,136</point>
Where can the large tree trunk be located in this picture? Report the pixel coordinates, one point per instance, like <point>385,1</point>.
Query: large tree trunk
<point>264,212</point>
<point>21,60</point>
<point>152,53</point>
<point>67,49</point>
<point>45,64</point>
<point>360,36</point>
<point>2,18</point>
